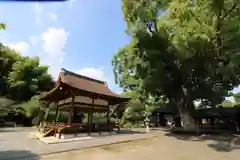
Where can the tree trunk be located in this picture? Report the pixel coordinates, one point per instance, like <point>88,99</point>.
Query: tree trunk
<point>188,123</point>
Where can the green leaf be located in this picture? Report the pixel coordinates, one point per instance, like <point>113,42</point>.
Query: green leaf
<point>197,57</point>
<point>3,26</point>
<point>236,59</point>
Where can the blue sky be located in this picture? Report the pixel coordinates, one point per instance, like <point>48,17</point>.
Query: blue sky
<point>78,35</point>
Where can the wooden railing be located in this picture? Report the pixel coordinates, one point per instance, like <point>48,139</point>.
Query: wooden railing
<point>52,128</point>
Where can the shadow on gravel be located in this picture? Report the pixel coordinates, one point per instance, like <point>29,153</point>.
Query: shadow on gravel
<point>127,131</point>
<point>10,130</point>
<point>221,142</point>
<point>18,155</point>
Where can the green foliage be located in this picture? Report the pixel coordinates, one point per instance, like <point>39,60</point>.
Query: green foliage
<point>26,78</point>
<point>237,105</point>
<point>237,98</point>
<point>6,106</point>
<point>134,111</point>
<point>2,26</point>
<point>131,125</point>
<point>34,110</point>
<point>134,108</point>
<point>181,54</point>
<point>227,103</point>
<point>99,117</point>
<point>7,58</point>
<point>21,80</point>
<point>63,116</point>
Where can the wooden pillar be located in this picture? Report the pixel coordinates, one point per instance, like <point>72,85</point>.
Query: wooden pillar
<point>118,108</point>
<point>71,112</point>
<point>46,112</point>
<point>108,115</point>
<point>91,116</point>
<point>118,119</point>
<point>88,122</point>
<point>56,113</point>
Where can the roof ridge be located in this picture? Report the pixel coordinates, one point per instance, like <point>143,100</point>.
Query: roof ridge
<point>81,76</point>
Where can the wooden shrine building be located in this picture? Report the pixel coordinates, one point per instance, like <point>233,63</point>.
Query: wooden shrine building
<point>74,92</point>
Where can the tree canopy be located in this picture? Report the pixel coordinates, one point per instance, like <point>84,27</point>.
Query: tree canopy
<point>178,52</point>
<point>2,26</point>
<point>237,98</point>
<point>21,79</point>
<point>227,103</point>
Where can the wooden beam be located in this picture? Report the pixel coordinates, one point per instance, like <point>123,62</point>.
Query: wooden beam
<point>84,104</point>
<point>85,109</point>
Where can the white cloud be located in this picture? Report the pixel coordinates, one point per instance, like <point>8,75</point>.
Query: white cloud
<point>52,43</point>
<point>197,103</point>
<point>231,99</point>
<point>38,11</point>
<point>38,20</point>
<point>20,47</point>
<point>42,16</point>
<point>61,60</point>
<point>71,2</point>
<point>96,73</point>
<point>237,89</point>
<point>119,92</point>
<point>34,39</point>
<point>38,8</point>
<point>52,16</point>
<point>54,40</point>
<point>54,66</point>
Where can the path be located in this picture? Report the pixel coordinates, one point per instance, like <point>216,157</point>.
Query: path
<point>15,143</point>
<point>165,146</point>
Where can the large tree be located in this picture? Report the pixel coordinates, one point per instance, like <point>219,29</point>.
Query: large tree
<point>7,58</point>
<point>2,26</point>
<point>227,103</point>
<point>134,109</point>
<point>27,79</point>
<point>237,98</point>
<point>21,78</point>
<point>182,49</point>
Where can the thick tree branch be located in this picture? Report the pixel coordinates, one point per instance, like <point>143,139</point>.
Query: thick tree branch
<point>149,26</point>
<point>231,9</point>
<point>195,18</point>
<point>218,27</point>
<point>155,25</point>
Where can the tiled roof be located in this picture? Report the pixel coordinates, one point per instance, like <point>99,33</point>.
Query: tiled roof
<point>86,83</point>
<point>82,83</point>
